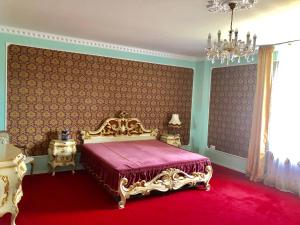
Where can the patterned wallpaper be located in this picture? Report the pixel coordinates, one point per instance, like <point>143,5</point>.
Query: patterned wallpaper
<point>231,106</point>
<point>50,90</point>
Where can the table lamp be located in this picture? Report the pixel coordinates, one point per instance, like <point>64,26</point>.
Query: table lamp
<point>175,122</point>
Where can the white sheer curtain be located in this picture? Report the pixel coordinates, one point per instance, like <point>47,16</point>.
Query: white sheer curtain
<point>283,164</point>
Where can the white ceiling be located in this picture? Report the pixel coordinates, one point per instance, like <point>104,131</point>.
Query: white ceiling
<point>174,26</point>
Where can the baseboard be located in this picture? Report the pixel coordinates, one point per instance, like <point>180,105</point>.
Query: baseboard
<point>41,165</point>
<point>186,147</point>
<point>233,162</point>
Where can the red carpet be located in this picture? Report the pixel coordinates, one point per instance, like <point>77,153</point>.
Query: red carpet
<point>78,200</point>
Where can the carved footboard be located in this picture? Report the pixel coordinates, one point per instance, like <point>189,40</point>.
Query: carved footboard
<point>170,179</point>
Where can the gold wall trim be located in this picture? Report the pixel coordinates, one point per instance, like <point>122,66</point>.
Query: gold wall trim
<point>92,43</point>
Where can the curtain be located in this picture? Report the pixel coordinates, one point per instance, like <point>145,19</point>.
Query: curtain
<point>260,116</point>
<point>283,163</point>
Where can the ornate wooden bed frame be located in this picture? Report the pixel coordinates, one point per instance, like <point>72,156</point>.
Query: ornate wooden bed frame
<point>128,129</point>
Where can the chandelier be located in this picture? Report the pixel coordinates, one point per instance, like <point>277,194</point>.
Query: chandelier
<point>229,50</point>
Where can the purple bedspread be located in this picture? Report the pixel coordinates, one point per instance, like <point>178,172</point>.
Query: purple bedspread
<point>137,160</point>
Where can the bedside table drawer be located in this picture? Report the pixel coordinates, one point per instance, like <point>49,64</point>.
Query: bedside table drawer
<point>67,150</point>
<point>64,158</point>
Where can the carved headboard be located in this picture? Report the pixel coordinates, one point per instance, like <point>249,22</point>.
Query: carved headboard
<point>121,128</point>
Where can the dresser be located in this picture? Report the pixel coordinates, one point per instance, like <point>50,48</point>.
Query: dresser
<point>62,153</point>
<point>12,171</point>
<point>171,139</point>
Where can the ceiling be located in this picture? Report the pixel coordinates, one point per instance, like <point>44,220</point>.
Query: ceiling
<point>173,26</point>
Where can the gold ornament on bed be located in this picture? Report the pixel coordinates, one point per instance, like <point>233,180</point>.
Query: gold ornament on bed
<point>167,180</point>
<point>114,129</point>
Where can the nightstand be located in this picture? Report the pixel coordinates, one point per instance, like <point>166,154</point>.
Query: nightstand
<point>62,153</point>
<point>171,139</point>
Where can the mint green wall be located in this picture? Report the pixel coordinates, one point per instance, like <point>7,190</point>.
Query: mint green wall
<point>2,82</point>
<point>200,109</point>
<point>199,123</point>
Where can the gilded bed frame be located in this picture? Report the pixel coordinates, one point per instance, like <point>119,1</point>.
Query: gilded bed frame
<point>123,128</point>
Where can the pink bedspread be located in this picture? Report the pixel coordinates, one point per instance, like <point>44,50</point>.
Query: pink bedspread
<point>137,160</point>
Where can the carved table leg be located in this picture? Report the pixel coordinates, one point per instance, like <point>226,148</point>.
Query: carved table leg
<point>74,167</point>
<point>53,170</point>
<point>14,216</point>
<point>31,168</point>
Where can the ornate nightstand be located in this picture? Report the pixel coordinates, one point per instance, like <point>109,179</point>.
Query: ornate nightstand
<point>171,139</point>
<point>62,153</point>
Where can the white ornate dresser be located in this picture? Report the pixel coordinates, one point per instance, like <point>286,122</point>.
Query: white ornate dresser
<point>12,171</point>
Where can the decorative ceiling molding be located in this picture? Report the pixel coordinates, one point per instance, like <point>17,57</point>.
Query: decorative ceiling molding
<point>91,43</point>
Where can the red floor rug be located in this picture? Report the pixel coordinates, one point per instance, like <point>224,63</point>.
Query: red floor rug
<point>67,199</point>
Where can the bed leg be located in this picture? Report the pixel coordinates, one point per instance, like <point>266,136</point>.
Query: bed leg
<point>209,171</point>
<point>207,187</point>
<point>122,202</point>
<point>122,192</point>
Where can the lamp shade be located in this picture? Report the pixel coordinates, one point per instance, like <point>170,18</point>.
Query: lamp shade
<point>175,121</point>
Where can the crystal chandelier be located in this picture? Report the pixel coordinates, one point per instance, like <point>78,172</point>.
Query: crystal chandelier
<point>229,50</point>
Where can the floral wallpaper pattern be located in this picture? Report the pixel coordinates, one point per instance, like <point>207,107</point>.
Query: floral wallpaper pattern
<point>231,106</point>
<point>50,90</point>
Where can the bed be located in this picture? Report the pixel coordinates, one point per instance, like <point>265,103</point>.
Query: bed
<point>129,160</point>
